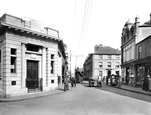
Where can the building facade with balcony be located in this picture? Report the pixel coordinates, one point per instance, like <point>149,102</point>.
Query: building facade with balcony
<point>133,36</point>
<point>105,61</point>
<point>31,56</point>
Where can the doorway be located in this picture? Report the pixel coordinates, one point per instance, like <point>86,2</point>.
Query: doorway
<point>109,73</point>
<point>32,74</point>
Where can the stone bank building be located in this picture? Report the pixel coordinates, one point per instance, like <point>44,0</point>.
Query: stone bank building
<point>31,56</point>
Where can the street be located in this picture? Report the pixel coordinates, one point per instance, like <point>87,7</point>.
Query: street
<point>82,100</point>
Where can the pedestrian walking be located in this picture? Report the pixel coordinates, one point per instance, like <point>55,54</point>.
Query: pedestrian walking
<point>73,82</point>
<point>103,78</point>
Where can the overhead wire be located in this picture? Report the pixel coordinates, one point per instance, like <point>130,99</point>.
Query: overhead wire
<point>85,22</point>
<point>73,25</point>
<point>75,4</point>
<point>84,25</point>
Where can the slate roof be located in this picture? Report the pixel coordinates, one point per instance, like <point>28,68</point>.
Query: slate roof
<point>106,50</point>
<point>148,23</point>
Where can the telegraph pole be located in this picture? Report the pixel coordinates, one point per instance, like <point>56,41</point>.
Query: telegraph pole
<point>70,62</point>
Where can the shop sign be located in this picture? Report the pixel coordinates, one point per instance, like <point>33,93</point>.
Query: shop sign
<point>33,56</point>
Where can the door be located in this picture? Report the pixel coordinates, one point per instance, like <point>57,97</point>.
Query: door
<point>109,73</point>
<point>32,74</point>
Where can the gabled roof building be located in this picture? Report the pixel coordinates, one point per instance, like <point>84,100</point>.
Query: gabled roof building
<point>105,61</point>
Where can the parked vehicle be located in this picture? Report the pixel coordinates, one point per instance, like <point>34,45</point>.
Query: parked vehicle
<point>94,82</point>
<point>115,81</point>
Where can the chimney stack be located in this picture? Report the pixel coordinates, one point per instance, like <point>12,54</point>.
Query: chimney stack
<point>96,47</point>
<point>137,19</point>
<point>100,46</point>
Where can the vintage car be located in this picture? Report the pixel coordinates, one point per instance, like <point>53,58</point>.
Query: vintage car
<point>115,81</point>
<point>94,82</point>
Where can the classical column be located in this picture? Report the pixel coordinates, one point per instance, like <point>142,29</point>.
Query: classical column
<point>43,68</point>
<point>23,66</point>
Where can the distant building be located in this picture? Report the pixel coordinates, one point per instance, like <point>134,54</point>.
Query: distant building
<point>135,51</point>
<point>31,56</point>
<point>105,61</point>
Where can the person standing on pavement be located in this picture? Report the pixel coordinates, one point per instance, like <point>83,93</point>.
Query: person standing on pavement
<point>103,79</point>
<point>107,80</point>
<point>59,79</point>
<point>145,84</point>
<point>99,81</point>
<point>73,81</point>
<point>149,79</point>
<point>66,84</point>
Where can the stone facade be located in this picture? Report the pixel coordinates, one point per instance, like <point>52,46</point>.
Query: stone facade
<point>28,54</point>
<point>105,61</point>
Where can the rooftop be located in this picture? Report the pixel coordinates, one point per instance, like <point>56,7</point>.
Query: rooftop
<point>30,27</point>
<point>28,24</point>
<point>107,50</point>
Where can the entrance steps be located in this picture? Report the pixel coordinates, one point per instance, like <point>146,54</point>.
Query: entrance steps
<point>34,90</point>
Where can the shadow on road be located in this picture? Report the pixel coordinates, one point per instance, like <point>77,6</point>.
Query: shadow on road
<point>122,92</point>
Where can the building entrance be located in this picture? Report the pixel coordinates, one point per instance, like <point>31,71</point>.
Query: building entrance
<point>32,74</point>
<point>109,73</point>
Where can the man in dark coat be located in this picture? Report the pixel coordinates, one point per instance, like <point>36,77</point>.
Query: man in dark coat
<point>73,81</point>
<point>145,84</point>
<point>107,77</point>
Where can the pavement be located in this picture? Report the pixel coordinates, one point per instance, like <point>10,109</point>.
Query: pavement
<point>32,95</point>
<point>60,90</point>
<point>135,89</point>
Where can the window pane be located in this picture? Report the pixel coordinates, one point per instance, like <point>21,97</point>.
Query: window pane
<point>109,64</point>
<point>52,67</point>
<point>109,56</point>
<point>52,56</point>
<point>13,64</point>
<point>13,51</point>
<point>32,48</point>
<point>101,56</point>
<point>100,73</point>
<point>100,64</point>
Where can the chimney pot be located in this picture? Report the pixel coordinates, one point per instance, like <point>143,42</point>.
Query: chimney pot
<point>137,19</point>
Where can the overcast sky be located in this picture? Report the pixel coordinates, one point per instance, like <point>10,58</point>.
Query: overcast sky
<point>82,29</point>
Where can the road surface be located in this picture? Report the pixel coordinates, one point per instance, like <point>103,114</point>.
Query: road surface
<point>81,100</point>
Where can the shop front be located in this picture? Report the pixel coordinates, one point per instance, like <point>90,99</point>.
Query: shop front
<point>143,70</point>
<point>128,74</point>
